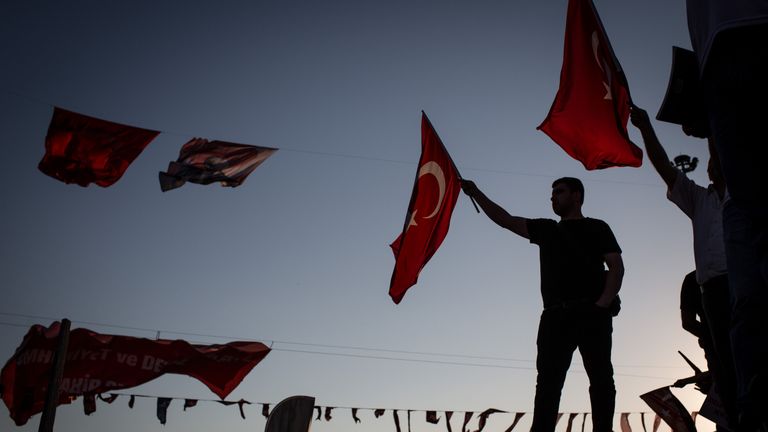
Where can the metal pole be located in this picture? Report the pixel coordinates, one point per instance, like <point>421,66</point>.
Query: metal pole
<point>57,371</point>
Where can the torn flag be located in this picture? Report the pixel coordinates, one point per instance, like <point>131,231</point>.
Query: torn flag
<point>83,150</point>
<point>588,118</point>
<point>434,196</point>
<point>204,162</point>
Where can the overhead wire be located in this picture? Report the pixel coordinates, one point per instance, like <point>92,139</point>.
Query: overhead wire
<point>351,347</point>
<point>374,158</point>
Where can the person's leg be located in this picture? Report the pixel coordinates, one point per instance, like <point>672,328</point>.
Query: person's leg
<point>555,349</point>
<point>748,267</point>
<point>716,303</point>
<point>595,348</point>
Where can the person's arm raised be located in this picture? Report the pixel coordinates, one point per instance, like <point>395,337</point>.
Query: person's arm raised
<point>516,224</point>
<point>653,147</point>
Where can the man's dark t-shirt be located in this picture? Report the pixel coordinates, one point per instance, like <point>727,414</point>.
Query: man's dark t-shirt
<point>571,257</point>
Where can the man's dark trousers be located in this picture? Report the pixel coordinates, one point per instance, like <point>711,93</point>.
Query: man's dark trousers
<point>562,329</point>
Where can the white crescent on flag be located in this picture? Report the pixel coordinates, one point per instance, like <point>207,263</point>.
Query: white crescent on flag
<point>433,168</point>
<point>606,70</point>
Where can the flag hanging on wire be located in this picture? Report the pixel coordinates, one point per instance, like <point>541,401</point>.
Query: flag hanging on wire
<point>434,196</point>
<point>99,363</point>
<point>205,162</point>
<point>588,118</point>
<point>83,150</point>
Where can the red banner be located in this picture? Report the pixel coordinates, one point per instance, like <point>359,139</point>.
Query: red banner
<point>588,118</point>
<point>83,150</point>
<point>98,363</point>
<point>433,198</point>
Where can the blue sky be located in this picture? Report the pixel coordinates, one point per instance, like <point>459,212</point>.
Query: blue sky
<point>299,252</point>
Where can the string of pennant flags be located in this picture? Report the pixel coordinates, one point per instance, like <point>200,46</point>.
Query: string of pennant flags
<point>325,413</point>
<point>99,366</point>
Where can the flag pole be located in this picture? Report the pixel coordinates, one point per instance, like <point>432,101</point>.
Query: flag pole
<point>450,159</point>
<point>57,371</point>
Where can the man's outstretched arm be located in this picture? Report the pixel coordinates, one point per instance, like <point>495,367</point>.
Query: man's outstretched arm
<point>613,278</point>
<point>495,212</point>
<point>656,152</point>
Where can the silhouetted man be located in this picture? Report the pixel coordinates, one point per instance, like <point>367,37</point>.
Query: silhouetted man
<point>704,206</point>
<point>579,298</point>
<point>729,39</point>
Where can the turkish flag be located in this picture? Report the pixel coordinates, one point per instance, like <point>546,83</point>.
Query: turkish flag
<point>205,162</point>
<point>434,196</point>
<point>98,363</point>
<point>588,118</point>
<point>83,150</point>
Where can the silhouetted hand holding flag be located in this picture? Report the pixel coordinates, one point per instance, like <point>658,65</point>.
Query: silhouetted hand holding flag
<point>205,162</point>
<point>434,196</point>
<point>588,118</point>
<point>83,150</point>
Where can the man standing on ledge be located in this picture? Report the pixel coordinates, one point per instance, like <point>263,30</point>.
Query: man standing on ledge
<point>580,298</point>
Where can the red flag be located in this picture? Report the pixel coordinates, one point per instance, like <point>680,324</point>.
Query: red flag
<point>205,162</point>
<point>588,118</point>
<point>434,196</point>
<point>98,363</point>
<point>81,149</point>
<point>669,408</point>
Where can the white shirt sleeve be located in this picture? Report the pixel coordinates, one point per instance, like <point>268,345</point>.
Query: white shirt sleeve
<point>685,193</point>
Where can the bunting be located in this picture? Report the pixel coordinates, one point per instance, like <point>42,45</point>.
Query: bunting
<point>624,423</point>
<point>570,421</point>
<point>108,399</point>
<point>89,404</point>
<point>484,417</point>
<point>518,416</point>
<point>354,415</point>
<point>467,417</point>
<point>162,409</point>
<point>431,417</point>
<point>163,404</point>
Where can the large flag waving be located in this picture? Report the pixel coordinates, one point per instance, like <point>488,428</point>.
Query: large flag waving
<point>588,118</point>
<point>434,196</point>
<point>98,363</point>
<point>205,162</point>
<point>83,150</point>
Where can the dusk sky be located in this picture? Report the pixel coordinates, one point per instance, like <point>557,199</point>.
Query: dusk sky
<point>298,256</point>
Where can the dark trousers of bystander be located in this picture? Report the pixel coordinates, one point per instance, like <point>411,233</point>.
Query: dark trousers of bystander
<point>736,93</point>
<point>716,302</point>
<point>561,331</point>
